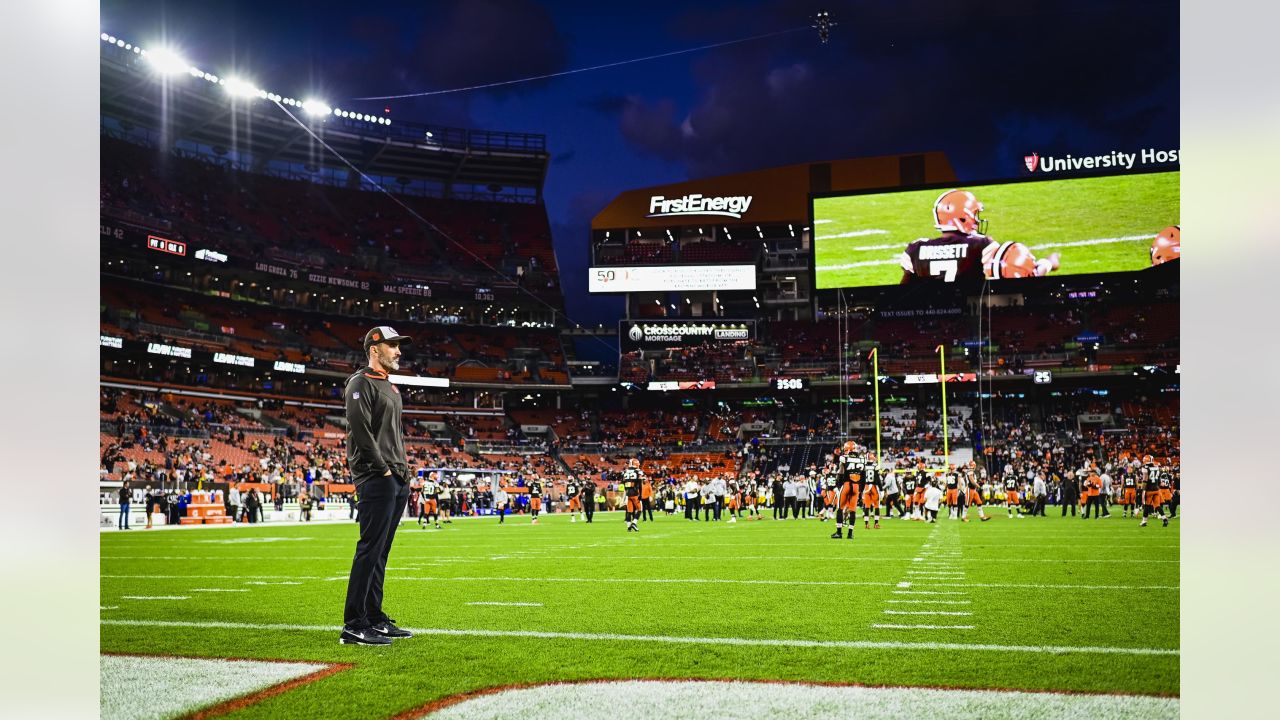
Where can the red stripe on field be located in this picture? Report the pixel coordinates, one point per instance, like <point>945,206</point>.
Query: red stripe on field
<point>239,703</point>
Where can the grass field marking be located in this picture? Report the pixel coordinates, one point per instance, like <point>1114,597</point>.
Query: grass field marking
<point>219,589</point>
<point>760,699</point>
<point>649,580</point>
<point>195,688</point>
<point>930,602</point>
<point>904,584</point>
<point>933,583</point>
<point>1084,243</point>
<point>214,577</point>
<point>155,597</point>
<point>264,582</point>
<point>823,221</point>
<point>108,607</point>
<point>955,613</point>
<point>852,265</point>
<point>883,626</point>
<point>507,604</point>
<point>929,592</point>
<point>611,637</point>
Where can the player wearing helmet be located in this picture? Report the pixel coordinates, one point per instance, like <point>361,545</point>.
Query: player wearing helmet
<point>1167,245</point>
<point>964,251</point>
<point>853,473</point>
<point>632,479</point>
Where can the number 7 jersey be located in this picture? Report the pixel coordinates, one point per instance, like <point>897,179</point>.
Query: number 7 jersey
<point>953,256</point>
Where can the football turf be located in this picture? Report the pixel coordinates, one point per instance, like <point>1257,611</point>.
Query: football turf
<point>1097,224</point>
<point>1083,606</point>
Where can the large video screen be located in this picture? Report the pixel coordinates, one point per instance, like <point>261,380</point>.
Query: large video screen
<point>1002,231</point>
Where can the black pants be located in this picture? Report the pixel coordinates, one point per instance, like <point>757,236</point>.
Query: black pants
<point>1038,508</point>
<point>1069,501</point>
<point>691,506</point>
<point>719,506</point>
<point>1094,503</point>
<point>589,507</point>
<point>647,512</point>
<point>382,503</point>
<point>779,507</point>
<point>895,503</point>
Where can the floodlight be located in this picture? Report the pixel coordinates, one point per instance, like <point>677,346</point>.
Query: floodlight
<point>238,87</point>
<point>316,107</point>
<point>167,62</point>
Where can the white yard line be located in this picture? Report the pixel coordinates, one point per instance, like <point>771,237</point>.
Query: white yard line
<point>155,597</point>
<point>508,604</point>
<point>219,589</point>
<point>611,637</point>
<point>931,602</point>
<point>928,612</point>
<point>881,626</point>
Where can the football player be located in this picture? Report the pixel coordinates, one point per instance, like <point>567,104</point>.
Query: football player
<point>430,503</point>
<point>575,502</point>
<point>908,495</point>
<point>1152,497</point>
<point>963,251</point>
<point>871,497</point>
<point>1166,246</point>
<point>853,470</point>
<point>922,484</point>
<point>535,498</point>
<point>1129,493</point>
<point>632,478</point>
<point>1011,495</point>
<point>952,496</point>
<point>973,493</point>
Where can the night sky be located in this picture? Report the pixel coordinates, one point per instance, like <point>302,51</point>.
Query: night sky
<point>985,82</point>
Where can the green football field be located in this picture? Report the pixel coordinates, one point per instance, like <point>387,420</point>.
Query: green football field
<point>1034,604</point>
<point>1097,224</point>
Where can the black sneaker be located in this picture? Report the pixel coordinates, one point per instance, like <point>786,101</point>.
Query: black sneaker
<point>389,629</point>
<point>836,535</point>
<point>362,636</point>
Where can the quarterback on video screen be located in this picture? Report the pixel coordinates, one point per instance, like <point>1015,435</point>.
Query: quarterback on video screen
<point>963,251</point>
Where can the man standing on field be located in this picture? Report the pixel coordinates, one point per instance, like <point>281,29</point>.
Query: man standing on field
<point>380,470</point>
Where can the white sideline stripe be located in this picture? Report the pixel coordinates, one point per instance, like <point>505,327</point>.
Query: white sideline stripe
<point>928,612</point>
<point>647,581</point>
<point>215,577</point>
<point>155,597</point>
<point>768,642</point>
<point>108,607</point>
<point>881,626</point>
<point>855,233</point>
<point>928,592</point>
<point>508,604</point>
<point>705,581</point>
<point>219,589</point>
<point>823,221</point>
<point>933,602</point>
<point>904,584</point>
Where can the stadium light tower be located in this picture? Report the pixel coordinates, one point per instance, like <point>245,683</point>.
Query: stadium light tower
<point>238,87</point>
<point>167,61</point>
<point>316,107</point>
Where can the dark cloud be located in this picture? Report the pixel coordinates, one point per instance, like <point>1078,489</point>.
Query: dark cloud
<point>984,83</point>
<point>473,42</point>
<point>564,157</point>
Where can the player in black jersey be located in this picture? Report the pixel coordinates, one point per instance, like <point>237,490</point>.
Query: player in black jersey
<point>632,478</point>
<point>853,473</point>
<point>535,499</point>
<point>1129,492</point>
<point>963,251</point>
<point>1011,498</point>
<point>575,503</point>
<point>953,497</point>
<point>871,497</point>
<point>1152,496</point>
<point>909,495</point>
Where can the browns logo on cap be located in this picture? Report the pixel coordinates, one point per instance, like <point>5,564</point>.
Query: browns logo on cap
<point>383,333</point>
